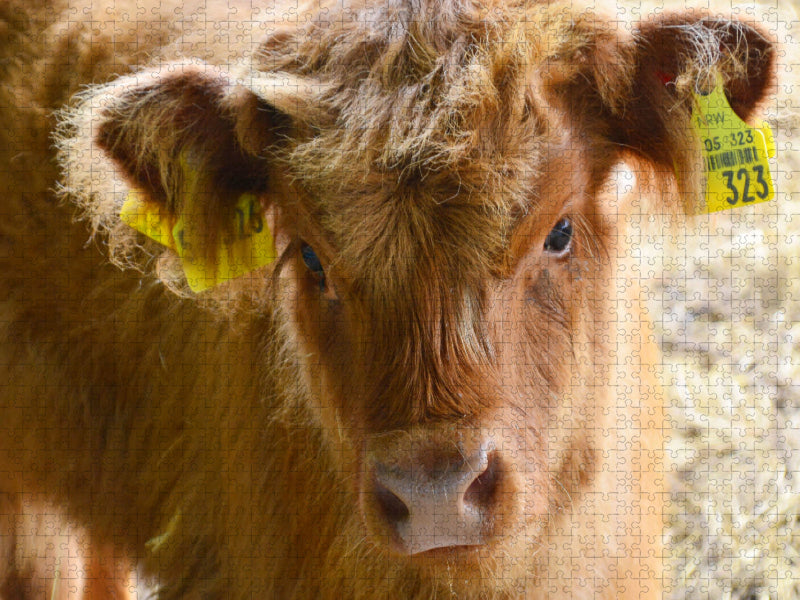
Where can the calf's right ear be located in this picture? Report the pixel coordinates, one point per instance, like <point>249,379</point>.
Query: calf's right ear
<point>187,143</point>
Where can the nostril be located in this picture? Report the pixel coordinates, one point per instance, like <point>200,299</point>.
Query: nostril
<point>391,507</point>
<point>433,495</point>
<point>481,491</point>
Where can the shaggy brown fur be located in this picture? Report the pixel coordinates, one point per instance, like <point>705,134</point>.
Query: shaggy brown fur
<point>424,150</point>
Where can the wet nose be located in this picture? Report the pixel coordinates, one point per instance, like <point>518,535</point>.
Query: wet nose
<point>434,496</point>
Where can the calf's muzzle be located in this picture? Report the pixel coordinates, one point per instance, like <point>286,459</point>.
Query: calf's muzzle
<point>430,490</point>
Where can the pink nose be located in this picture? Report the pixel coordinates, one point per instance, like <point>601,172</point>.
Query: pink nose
<point>433,496</point>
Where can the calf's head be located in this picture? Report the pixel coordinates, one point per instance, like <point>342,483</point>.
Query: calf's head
<point>432,175</point>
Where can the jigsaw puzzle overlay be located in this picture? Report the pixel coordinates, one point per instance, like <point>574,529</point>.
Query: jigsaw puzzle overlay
<point>339,301</point>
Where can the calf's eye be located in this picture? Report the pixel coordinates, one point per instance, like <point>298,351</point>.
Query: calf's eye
<point>560,237</point>
<point>312,262</point>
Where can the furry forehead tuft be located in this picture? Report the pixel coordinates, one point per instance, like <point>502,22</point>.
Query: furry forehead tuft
<point>429,131</point>
<point>415,90</point>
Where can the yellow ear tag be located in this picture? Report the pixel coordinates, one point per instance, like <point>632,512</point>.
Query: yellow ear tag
<point>249,247</point>
<point>735,155</point>
<point>147,218</point>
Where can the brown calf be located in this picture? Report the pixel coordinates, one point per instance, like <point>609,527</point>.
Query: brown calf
<point>443,386</point>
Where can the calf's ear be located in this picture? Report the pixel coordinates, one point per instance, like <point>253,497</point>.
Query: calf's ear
<point>637,92</point>
<point>184,141</point>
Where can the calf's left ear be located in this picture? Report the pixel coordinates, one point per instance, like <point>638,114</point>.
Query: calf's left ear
<point>637,92</point>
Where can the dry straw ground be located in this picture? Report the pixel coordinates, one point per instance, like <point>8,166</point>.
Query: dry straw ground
<point>727,313</point>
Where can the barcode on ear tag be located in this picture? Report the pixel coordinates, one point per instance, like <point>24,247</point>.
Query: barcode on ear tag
<point>735,155</point>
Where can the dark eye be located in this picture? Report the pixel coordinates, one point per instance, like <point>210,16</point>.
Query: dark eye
<point>313,263</point>
<point>559,238</point>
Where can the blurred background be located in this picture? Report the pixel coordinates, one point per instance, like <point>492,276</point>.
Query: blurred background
<point>724,293</point>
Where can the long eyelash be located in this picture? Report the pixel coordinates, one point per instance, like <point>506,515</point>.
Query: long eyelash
<point>589,239</point>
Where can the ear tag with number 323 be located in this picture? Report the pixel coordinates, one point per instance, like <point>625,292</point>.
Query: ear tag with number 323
<point>734,154</point>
